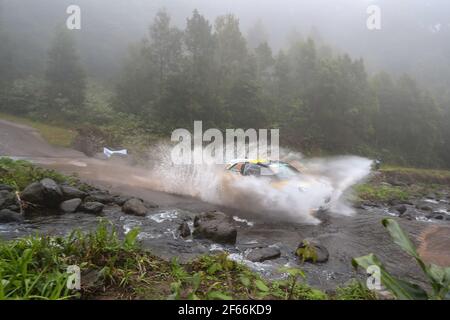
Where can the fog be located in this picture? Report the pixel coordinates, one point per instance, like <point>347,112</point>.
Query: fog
<point>413,38</point>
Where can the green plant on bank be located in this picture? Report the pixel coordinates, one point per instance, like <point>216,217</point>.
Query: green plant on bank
<point>354,290</point>
<point>35,267</point>
<point>438,277</point>
<point>20,173</point>
<point>218,277</point>
<point>381,193</point>
<point>307,252</point>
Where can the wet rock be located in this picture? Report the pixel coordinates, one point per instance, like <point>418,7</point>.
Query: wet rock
<point>92,207</point>
<point>120,200</point>
<point>411,214</point>
<point>14,207</point>
<point>52,190</point>
<point>46,193</point>
<point>311,250</point>
<point>424,206</point>
<point>70,206</point>
<point>401,208</point>
<point>8,216</point>
<point>263,254</point>
<point>101,197</point>
<point>371,204</point>
<point>33,193</point>
<point>215,226</point>
<point>72,193</point>
<point>134,207</point>
<point>431,196</point>
<point>4,187</point>
<point>7,199</point>
<point>437,216</point>
<point>150,205</point>
<point>184,230</point>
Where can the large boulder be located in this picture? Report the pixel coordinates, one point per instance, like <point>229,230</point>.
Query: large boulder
<point>215,226</point>
<point>92,207</point>
<point>33,193</point>
<point>101,197</point>
<point>70,206</point>
<point>311,250</point>
<point>134,207</point>
<point>52,191</point>
<point>72,193</point>
<point>425,206</point>
<point>400,208</point>
<point>120,200</point>
<point>8,216</point>
<point>437,215</point>
<point>46,193</point>
<point>412,214</point>
<point>184,230</point>
<point>263,254</point>
<point>7,199</point>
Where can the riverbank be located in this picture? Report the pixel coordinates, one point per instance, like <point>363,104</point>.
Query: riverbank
<point>201,262</point>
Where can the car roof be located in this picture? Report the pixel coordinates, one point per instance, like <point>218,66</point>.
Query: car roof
<point>248,160</point>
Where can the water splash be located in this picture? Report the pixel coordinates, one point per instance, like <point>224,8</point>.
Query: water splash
<point>297,200</point>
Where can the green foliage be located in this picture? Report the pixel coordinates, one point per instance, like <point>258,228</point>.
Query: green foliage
<point>438,277</point>
<point>382,193</point>
<point>21,173</point>
<point>29,270</point>
<point>307,252</point>
<point>66,83</point>
<point>35,267</point>
<point>323,102</point>
<point>293,275</point>
<point>354,290</point>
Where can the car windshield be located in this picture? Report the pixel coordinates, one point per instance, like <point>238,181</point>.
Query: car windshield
<point>280,170</point>
<point>284,170</point>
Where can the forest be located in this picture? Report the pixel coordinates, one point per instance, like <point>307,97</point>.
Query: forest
<point>323,100</point>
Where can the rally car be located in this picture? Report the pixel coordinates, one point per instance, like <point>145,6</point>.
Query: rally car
<point>280,175</point>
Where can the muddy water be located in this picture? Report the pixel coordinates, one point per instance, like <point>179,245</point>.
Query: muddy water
<point>343,236</point>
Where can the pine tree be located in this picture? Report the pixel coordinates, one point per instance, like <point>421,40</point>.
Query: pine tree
<point>6,65</point>
<point>66,80</point>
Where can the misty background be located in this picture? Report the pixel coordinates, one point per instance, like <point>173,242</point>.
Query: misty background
<point>392,83</point>
<point>414,37</point>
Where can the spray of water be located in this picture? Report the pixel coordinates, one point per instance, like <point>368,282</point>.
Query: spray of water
<point>323,183</point>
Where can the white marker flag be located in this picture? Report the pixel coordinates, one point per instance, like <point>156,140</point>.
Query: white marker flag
<point>110,153</point>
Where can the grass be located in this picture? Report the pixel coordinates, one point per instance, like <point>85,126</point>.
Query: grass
<point>20,173</point>
<point>416,175</point>
<point>382,193</point>
<point>401,183</point>
<point>417,171</point>
<point>354,290</point>
<point>55,135</point>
